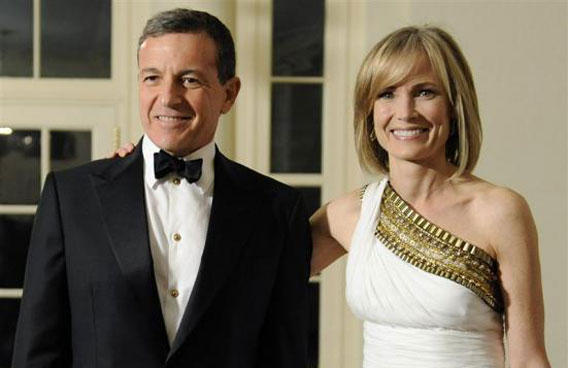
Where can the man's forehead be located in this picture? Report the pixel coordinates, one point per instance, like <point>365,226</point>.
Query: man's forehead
<point>197,35</point>
<point>180,46</point>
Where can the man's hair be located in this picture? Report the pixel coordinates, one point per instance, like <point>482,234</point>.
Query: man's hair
<point>389,62</point>
<point>193,21</point>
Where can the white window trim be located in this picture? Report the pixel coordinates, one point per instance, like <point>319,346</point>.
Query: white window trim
<point>344,39</point>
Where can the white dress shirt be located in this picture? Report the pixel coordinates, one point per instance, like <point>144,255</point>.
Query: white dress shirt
<point>178,218</point>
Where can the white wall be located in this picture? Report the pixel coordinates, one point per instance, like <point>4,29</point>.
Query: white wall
<point>518,55</point>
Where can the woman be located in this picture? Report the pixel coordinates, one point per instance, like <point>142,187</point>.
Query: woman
<point>437,256</point>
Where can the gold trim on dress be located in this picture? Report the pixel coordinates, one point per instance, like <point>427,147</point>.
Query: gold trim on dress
<point>362,192</point>
<point>423,244</point>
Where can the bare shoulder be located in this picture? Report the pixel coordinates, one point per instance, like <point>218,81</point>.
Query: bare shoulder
<point>498,203</point>
<point>346,204</point>
<point>343,214</point>
<point>504,214</point>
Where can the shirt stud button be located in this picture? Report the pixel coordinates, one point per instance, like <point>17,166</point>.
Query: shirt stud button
<point>177,237</point>
<point>176,181</point>
<point>174,293</point>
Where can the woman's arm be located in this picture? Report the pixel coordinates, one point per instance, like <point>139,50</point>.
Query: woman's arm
<point>514,238</point>
<point>332,228</point>
<point>325,248</point>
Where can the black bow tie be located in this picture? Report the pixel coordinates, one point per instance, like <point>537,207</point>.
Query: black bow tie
<point>165,163</point>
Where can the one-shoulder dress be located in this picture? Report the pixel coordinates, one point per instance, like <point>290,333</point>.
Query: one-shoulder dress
<point>427,298</point>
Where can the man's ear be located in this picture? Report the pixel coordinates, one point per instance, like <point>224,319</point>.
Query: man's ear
<point>232,88</point>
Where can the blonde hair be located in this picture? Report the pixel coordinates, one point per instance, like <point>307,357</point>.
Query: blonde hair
<point>388,63</point>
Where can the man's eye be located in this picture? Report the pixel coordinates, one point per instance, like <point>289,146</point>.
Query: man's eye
<point>386,95</point>
<point>190,81</point>
<point>150,78</point>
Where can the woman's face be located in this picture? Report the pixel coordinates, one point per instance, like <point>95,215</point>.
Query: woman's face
<point>412,119</point>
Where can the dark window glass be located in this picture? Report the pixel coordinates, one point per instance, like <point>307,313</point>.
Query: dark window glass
<point>16,38</point>
<point>9,309</point>
<point>313,334</point>
<point>297,37</point>
<point>312,198</point>
<point>15,233</point>
<point>20,168</point>
<point>75,38</point>
<point>296,128</point>
<point>69,149</point>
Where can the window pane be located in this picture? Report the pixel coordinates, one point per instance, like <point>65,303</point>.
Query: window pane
<point>15,233</point>
<point>9,309</point>
<point>312,198</point>
<point>296,128</point>
<point>313,334</point>
<point>69,149</point>
<point>75,38</point>
<point>16,38</point>
<point>20,167</point>
<point>297,37</point>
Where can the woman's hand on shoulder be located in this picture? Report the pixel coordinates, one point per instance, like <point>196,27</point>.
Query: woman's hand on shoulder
<point>332,228</point>
<point>123,151</point>
<point>513,236</point>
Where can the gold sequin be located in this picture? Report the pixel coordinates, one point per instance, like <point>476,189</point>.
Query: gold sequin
<point>362,192</point>
<point>424,245</point>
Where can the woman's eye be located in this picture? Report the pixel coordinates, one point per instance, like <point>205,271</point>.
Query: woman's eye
<point>386,95</point>
<point>426,93</point>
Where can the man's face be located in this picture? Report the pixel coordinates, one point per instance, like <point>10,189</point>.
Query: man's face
<point>180,95</point>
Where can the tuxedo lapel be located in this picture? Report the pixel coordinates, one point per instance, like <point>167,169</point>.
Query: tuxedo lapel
<point>120,190</point>
<point>226,235</point>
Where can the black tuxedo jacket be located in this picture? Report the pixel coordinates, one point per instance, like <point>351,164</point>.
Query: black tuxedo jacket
<point>90,298</point>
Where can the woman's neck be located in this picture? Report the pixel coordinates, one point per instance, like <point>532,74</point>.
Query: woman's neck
<point>416,182</point>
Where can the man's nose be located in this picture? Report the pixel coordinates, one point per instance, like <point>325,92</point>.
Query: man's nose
<point>406,108</point>
<point>171,94</point>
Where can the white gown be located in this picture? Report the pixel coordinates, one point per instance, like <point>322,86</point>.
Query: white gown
<point>412,316</point>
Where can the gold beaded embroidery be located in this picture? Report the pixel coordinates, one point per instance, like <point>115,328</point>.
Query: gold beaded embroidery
<point>421,243</point>
<point>362,192</point>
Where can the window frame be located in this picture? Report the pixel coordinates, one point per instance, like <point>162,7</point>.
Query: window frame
<point>340,342</point>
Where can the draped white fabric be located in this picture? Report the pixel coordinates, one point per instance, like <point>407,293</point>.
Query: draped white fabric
<point>414,318</point>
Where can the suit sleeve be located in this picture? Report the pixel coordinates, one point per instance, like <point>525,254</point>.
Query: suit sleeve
<point>43,330</point>
<point>285,333</point>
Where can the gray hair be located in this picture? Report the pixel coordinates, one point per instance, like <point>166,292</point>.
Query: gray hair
<point>193,21</point>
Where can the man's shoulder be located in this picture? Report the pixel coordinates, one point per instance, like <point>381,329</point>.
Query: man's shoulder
<point>101,167</point>
<point>260,184</point>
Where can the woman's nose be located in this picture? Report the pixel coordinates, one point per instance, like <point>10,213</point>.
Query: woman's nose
<point>405,108</point>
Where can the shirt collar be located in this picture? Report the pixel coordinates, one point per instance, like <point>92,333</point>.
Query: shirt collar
<point>207,153</point>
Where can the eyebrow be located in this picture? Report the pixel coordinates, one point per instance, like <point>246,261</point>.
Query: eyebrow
<point>426,84</point>
<point>417,85</point>
<point>149,70</point>
<point>181,73</point>
<point>188,71</point>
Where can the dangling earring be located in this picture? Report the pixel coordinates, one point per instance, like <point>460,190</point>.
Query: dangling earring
<point>372,136</point>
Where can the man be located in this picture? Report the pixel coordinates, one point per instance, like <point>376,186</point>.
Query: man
<point>149,261</point>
